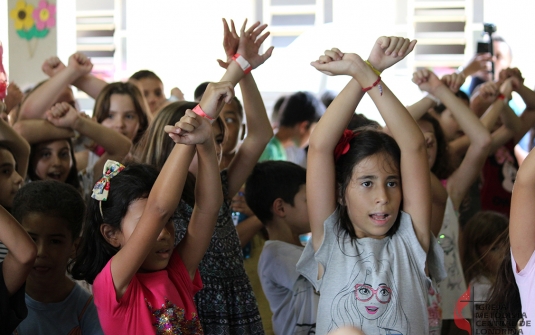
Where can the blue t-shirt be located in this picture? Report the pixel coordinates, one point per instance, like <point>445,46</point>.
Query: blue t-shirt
<point>76,312</point>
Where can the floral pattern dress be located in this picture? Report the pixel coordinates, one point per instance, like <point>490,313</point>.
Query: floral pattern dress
<point>226,304</point>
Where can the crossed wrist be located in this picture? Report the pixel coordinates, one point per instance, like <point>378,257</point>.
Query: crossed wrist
<point>242,62</point>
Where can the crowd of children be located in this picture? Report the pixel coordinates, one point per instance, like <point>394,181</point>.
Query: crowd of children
<point>363,229</point>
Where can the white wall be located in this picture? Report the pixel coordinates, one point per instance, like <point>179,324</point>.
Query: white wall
<point>181,40</point>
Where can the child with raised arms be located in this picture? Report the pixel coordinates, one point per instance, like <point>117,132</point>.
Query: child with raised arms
<point>141,282</point>
<point>371,241</point>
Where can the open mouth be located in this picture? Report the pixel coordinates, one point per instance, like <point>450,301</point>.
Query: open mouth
<point>54,175</point>
<point>164,252</point>
<point>372,309</point>
<point>41,269</point>
<point>380,218</point>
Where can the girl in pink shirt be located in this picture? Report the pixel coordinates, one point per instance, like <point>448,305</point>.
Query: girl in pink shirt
<point>141,284</point>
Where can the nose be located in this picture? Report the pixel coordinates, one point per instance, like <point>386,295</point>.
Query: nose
<point>381,195</point>
<point>56,160</point>
<point>119,123</point>
<point>165,234</point>
<point>41,249</point>
<point>17,179</point>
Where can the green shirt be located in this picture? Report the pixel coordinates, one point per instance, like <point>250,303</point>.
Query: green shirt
<point>274,151</point>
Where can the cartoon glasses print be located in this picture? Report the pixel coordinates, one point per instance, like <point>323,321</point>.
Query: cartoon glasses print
<point>364,292</point>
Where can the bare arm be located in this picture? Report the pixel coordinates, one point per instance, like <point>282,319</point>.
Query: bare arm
<point>116,145</point>
<point>208,199</point>
<point>259,132</point>
<point>19,147</point>
<point>90,85</point>
<point>35,131</point>
<point>522,221</point>
<point>43,97</point>
<point>22,252</point>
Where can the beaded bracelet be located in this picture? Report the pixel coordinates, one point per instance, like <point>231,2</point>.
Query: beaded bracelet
<point>376,83</point>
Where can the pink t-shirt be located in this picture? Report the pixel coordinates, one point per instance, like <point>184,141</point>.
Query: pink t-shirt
<point>525,281</point>
<point>154,303</point>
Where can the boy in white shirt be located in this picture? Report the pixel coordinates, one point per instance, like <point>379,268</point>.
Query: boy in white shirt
<point>276,193</point>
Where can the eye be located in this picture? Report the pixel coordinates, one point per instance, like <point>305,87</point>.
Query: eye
<point>130,116</point>
<point>392,184</point>
<point>384,292</point>
<point>7,171</point>
<point>366,183</point>
<point>110,116</point>
<point>364,290</point>
<point>158,93</point>
<point>45,154</point>
<point>57,241</point>
<point>65,154</point>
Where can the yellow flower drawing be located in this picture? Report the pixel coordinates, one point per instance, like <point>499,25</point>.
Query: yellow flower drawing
<point>22,14</point>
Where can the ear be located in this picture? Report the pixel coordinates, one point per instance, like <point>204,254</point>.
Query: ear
<point>278,208</point>
<point>110,234</point>
<point>339,198</point>
<point>303,127</point>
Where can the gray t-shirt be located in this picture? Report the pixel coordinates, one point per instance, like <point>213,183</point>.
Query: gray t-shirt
<point>377,285</point>
<point>76,312</point>
<point>291,297</point>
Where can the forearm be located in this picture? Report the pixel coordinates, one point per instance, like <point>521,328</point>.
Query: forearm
<point>208,194</point>
<point>510,119</point>
<point>43,97</point>
<point>90,85</point>
<point>113,142</point>
<point>258,125</point>
<point>467,120</point>
<point>247,229</point>
<point>22,252</point>
<point>528,96</point>
<point>489,118</point>
<point>421,107</point>
<point>18,145</point>
<point>336,118</point>
<point>233,74</point>
<point>36,131</point>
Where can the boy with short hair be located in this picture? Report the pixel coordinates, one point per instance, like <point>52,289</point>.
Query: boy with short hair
<point>52,213</point>
<point>276,193</point>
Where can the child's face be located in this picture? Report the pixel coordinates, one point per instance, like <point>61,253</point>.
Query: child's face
<point>153,92</point>
<point>231,117</point>
<point>430,141</point>
<point>163,247</point>
<point>53,160</point>
<point>297,215</point>
<point>55,246</point>
<point>10,179</point>
<point>449,125</point>
<point>122,116</point>
<point>219,139</point>
<point>373,196</point>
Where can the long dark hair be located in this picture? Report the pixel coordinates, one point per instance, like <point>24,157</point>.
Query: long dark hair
<point>72,177</point>
<point>442,168</point>
<point>133,183</point>
<point>504,292</point>
<point>368,142</point>
<point>155,146</point>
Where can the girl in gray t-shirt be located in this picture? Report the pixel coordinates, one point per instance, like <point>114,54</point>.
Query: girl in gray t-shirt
<point>370,237</point>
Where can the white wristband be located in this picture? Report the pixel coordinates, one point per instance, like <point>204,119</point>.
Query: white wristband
<point>243,63</point>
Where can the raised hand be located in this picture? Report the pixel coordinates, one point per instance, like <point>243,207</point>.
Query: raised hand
<point>191,129</point>
<point>215,94</point>
<point>52,66</point>
<point>63,115</point>
<point>14,96</point>
<point>489,90</point>
<point>511,72</point>
<point>454,81</point>
<point>334,62</point>
<point>480,62</point>
<point>509,85</point>
<point>250,42</point>
<point>80,63</point>
<point>426,80</point>
<point>387,51</point>
<point>231,41</point>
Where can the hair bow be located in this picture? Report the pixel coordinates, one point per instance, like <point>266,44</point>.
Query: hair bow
<point>101,188</point>
<point>343,144</point>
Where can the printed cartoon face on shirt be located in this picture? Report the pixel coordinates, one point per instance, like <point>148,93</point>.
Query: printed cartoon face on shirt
<point>369,300</point>
<point>372,302</point>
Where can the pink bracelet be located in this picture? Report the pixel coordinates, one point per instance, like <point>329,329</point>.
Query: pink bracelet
<point>243,63</point>
<point>198,110</point>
